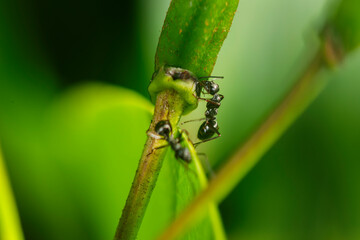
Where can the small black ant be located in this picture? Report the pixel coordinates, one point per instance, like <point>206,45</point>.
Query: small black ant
<point>163,129</point>
<point>210,126</point>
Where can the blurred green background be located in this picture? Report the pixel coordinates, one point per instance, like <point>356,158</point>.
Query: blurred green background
<point>72,136</point>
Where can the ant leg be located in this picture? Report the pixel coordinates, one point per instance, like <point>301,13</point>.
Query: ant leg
<point>152,150</point>
<point>207,100</point>
<point>166,145</point>
<point>206,164</point>
<point>184,132</point>
<point>194,120</point>
<point>204,87</point>
<point>206,140</point>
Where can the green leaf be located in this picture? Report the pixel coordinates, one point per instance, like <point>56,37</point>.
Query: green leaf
<point>347,23</point>
<point>9,220</point>
<point>96,134</point>
<point>190,179</point>
<point>193,34</point>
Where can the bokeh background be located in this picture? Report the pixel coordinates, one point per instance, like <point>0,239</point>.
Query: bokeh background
<point>72,132</point>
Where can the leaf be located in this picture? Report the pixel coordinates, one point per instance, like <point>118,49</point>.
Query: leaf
<point>176,187</point>
<point>190,179</point>
<point>96,136</point>
<point>347,23</point>
<point>9,220</point>
<point>193,34</point>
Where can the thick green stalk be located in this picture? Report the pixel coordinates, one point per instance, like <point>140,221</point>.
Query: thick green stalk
<point>10,227</point>
<point>169,105</point>
<point>300,96</point>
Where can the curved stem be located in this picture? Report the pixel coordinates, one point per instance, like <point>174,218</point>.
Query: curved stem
<point>10,227</point>
<point>299,97</point>
<point>169,106</point>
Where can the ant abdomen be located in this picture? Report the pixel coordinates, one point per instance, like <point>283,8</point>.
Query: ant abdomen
<point>208,129</point>
<point>176,146</point>
<point>184,154</point>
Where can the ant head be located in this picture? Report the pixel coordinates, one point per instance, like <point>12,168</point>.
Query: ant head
<point>211,87</point>
<point>214,88</point>
<point>163,128</point>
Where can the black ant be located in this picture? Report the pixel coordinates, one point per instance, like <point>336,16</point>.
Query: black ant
<point>210,126</point>
<point>163,129</point>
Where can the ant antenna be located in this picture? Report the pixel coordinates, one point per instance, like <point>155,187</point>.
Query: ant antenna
<point>207,77</point>
<point>193,120</point>
<point>206,140</point>
<point>207,100</point>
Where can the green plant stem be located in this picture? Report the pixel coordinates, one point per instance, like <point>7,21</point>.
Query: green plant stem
<point>307,88</point>
<point>169,105</point>
<point>10,227</point>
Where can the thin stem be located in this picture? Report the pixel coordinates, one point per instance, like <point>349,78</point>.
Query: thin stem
<point>300,96</point>
<point>169,106</point>
<point>10,227</point>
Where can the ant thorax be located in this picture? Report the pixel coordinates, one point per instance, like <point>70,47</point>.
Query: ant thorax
<point>215,101</point>
<point>211,113</point>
